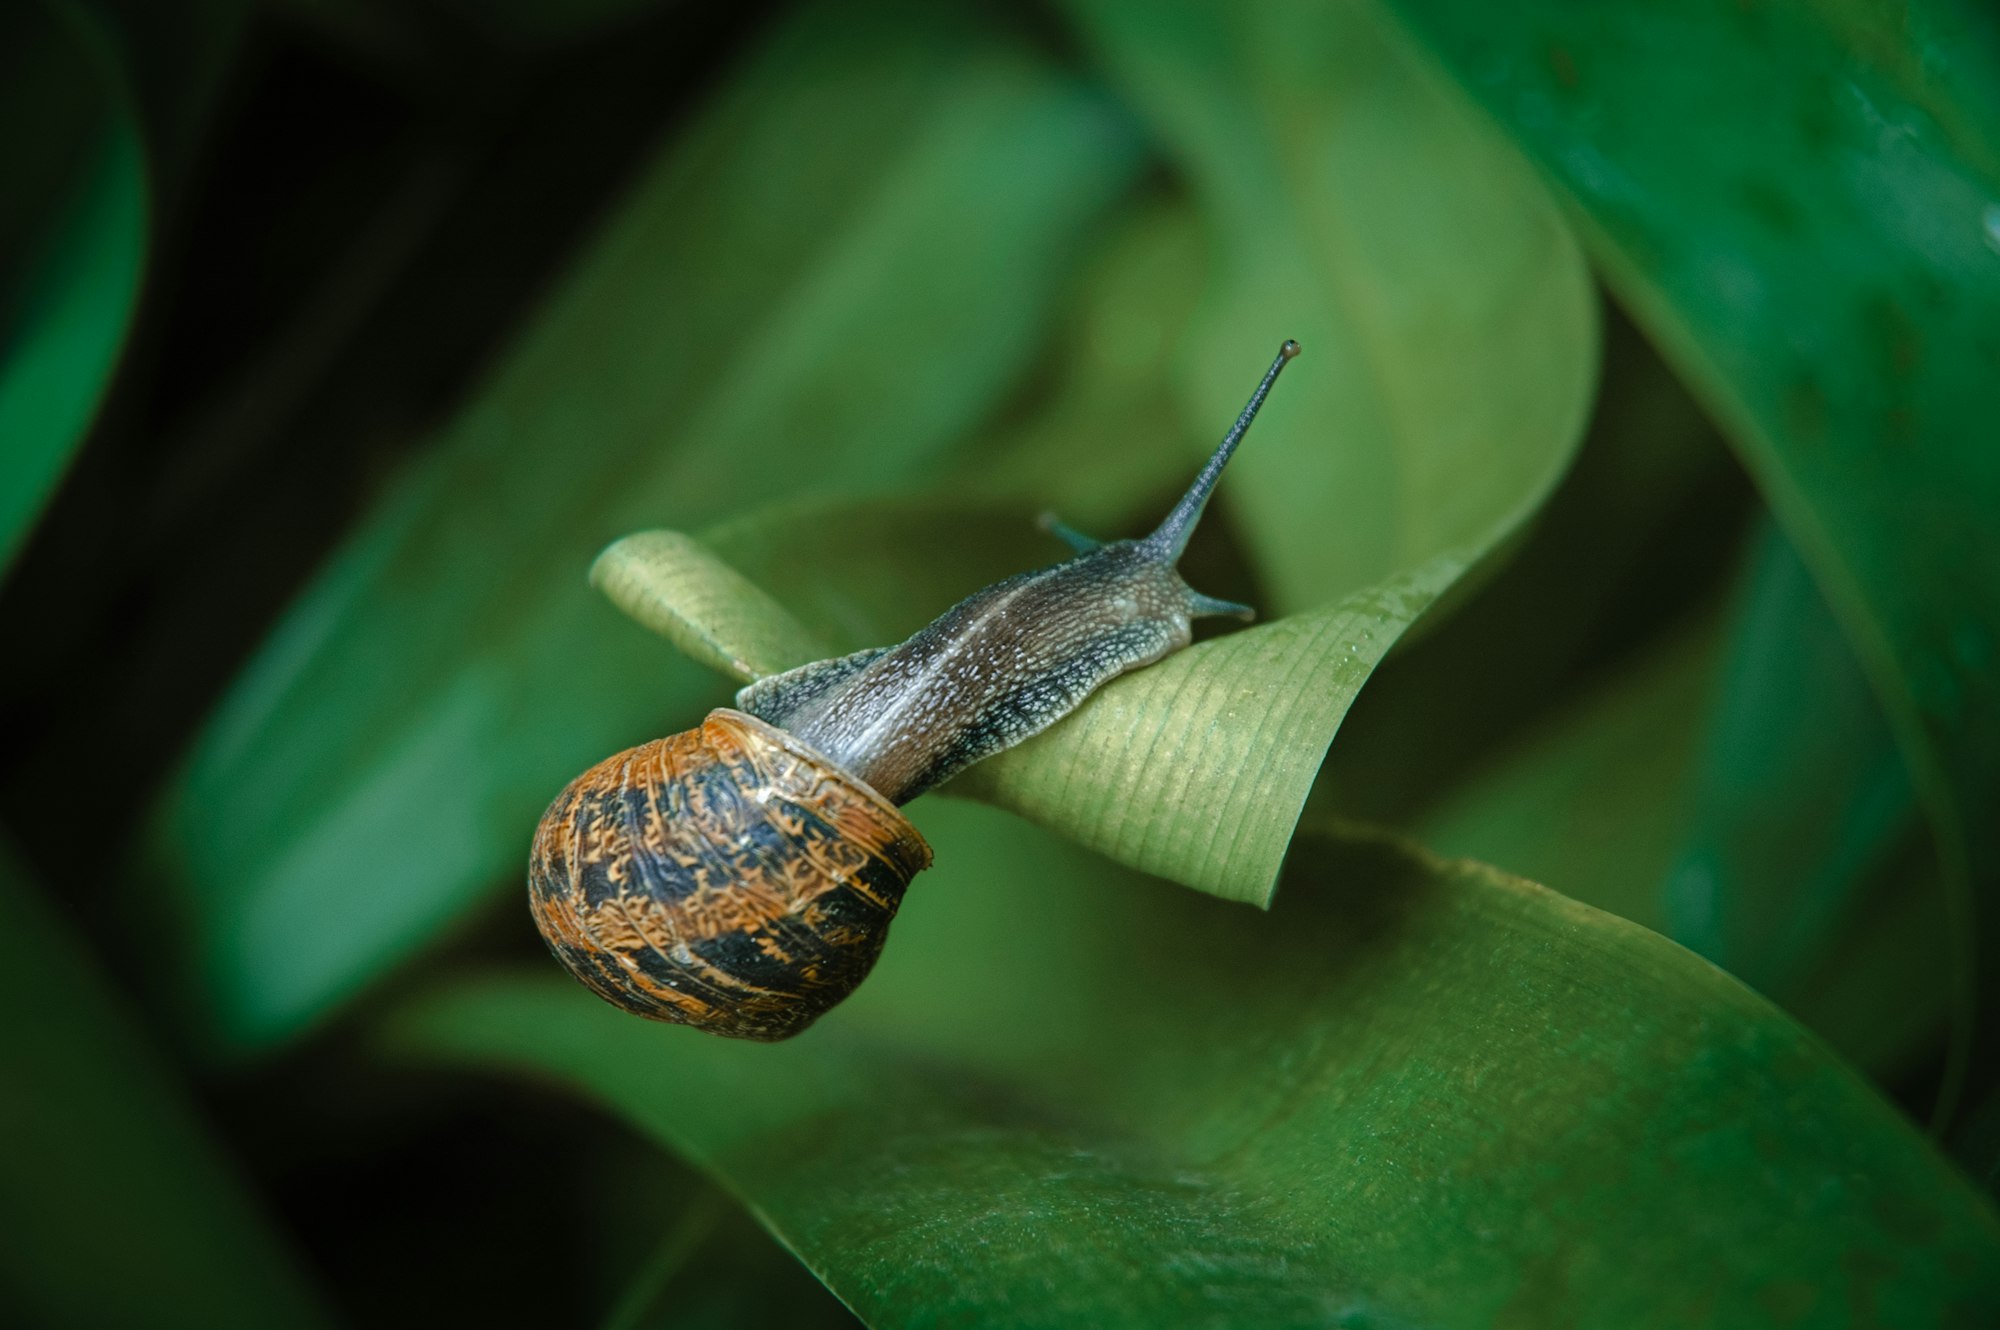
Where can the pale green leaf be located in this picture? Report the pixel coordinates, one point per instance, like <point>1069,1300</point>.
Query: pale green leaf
<point>676,586</point>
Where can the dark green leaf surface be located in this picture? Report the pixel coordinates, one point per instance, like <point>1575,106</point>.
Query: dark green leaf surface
<point>1644,522</point>
<point>1416,1093</point>
<point>72,245</point>
<point>384,758</point>
<point>1802,203</point>
<point>1800,796</point>
<point>1615,794</point>
<point>715,1270</point>
<point>118,1207</point>
<point>1595,802</point>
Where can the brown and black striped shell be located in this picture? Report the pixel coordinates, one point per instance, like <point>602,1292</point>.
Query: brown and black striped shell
<point>728,877</point>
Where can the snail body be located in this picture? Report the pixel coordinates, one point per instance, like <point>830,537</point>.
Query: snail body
<point>742,876</point>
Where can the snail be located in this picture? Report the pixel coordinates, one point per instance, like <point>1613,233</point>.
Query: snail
<point>741,877</point>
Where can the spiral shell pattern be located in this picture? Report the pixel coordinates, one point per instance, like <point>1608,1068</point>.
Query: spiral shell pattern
<point>728,877</point>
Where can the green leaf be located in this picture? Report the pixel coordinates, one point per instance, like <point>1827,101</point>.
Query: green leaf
<point>1879,991</point>
<point>1800,795</point>
<point>1611,797</point>
<point>676,586</point>
<point>1417,1092</point>
<point>716,1268</point>
<point>1108,448</point>
<point>827,282</point>
<point>119,1207</point>
<point>72,246</point>
<point>1595,800</point>
<point>1802,204</point>
<point>1639,530</point>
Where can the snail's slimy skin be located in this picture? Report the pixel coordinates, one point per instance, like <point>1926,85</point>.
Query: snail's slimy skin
<point>994,669</point>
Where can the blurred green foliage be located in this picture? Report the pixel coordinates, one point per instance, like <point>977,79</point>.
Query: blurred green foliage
<point>119,1209</point>
<point>72,239</point>
<point>1684,605</point>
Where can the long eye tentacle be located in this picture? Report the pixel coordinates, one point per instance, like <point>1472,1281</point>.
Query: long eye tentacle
<point>1171,538</point>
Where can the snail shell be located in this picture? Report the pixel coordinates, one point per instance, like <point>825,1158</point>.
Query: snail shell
<point>728,877</point>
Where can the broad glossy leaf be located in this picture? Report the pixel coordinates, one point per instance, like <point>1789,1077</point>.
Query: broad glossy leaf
<point>828,281</point>
<point>72,245</point>
<point>1802,204</point>
<point>1417,1092</point>
<point>119,1207</point>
